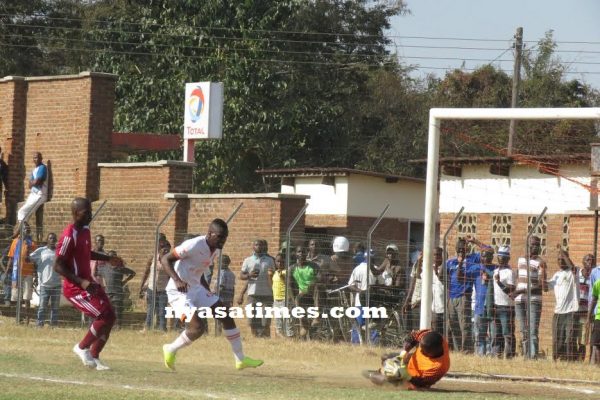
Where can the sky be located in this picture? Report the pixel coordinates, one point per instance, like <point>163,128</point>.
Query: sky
<point>493,23</point>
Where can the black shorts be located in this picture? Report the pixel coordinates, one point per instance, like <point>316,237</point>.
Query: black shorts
<point>595,339</point>
<point>306,301</point>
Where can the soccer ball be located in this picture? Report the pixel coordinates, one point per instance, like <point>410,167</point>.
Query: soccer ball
<point>394,369</point>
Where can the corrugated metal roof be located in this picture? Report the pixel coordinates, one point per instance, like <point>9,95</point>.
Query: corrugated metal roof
<point>317,171</point>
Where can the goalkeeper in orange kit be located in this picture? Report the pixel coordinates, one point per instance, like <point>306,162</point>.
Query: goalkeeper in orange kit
<point>424,360</point>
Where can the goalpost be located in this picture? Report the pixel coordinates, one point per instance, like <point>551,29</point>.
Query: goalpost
<point>436,116</point>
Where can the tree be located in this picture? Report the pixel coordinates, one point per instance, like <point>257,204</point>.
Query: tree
<point>544,84</point>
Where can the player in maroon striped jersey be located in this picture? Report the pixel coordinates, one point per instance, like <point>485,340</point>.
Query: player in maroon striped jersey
<point>73,255</point>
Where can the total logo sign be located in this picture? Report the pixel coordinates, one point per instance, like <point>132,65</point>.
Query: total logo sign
<point>195,104</point>
<point>203,110</point>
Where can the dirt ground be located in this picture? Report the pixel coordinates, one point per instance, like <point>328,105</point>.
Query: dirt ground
<point>38,363</point>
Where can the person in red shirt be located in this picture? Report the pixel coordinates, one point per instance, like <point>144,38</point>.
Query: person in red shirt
<point>73,256</point>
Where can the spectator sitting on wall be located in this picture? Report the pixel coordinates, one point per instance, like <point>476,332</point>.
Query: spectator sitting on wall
<point>38,185</point>
<point>113,278</point>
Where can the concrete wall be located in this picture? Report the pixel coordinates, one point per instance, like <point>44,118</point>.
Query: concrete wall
<point>368,195</point>
<point>324,199</point>
<point>525,191</point>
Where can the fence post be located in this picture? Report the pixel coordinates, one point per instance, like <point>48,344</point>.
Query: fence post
<point>218,286</point>
<point>369,241</point>
<point>151,309</point>
<point>445,272</point>
<point>19,266</point>
<point>288,238</point>
<point>528,256</point>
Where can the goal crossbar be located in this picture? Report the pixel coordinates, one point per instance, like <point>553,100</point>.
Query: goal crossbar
<point>436,116</point>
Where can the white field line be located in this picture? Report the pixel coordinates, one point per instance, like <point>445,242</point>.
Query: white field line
<point>207,395</point>
<point>541,384</point>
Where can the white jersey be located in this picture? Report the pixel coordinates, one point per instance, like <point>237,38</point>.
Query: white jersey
<point>194,259</point>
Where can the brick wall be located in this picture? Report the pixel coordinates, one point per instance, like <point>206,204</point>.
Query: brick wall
<point>99,140</point>
<point>581,236</point>
<point>69,120</point>
<point>13,103</point>
<point>148,181</point>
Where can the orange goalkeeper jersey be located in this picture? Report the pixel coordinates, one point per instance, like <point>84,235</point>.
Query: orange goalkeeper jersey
<point>426,371</point>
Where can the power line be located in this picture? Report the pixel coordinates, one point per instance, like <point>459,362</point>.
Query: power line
<point>338,34</point>
<point>310,53</point>
<point>276,40</point>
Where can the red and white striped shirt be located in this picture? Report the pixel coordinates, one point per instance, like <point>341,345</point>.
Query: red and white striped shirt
<point>75,246</point>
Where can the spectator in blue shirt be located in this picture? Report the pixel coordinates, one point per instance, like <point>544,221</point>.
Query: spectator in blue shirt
<point>38,185</point>
<point>462,271</point>
<point>484,301</point>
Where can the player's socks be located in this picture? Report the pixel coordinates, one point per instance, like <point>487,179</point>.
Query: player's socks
<point>181,341</point>
<point>90,337</point>
<point>235,340</point>
<point>97,346</point>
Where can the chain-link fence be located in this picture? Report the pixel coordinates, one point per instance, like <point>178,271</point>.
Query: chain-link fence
<point>326,272</point>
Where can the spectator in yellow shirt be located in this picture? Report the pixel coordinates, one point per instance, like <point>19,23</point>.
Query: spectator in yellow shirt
<point>279,284</point>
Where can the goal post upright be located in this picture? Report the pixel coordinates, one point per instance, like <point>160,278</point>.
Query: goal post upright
<point>436,116</point>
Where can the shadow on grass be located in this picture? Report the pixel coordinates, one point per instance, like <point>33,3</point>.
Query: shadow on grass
<point>466,391</point>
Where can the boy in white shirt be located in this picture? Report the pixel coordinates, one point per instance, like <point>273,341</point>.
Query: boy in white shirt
<point>504,305</point>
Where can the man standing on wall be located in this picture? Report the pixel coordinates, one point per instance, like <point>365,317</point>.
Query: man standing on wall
<point>38,185</point>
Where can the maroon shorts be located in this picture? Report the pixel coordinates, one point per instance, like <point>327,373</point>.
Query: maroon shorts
<point>92,305</point>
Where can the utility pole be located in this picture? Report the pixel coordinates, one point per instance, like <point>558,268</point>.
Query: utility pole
<point>515,86</point>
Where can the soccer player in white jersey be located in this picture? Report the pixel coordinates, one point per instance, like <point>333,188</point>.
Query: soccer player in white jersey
<point>186,265</point>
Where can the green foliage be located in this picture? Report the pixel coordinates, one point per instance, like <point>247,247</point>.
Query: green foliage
<point>543,84</point>
<point>307,83</point>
